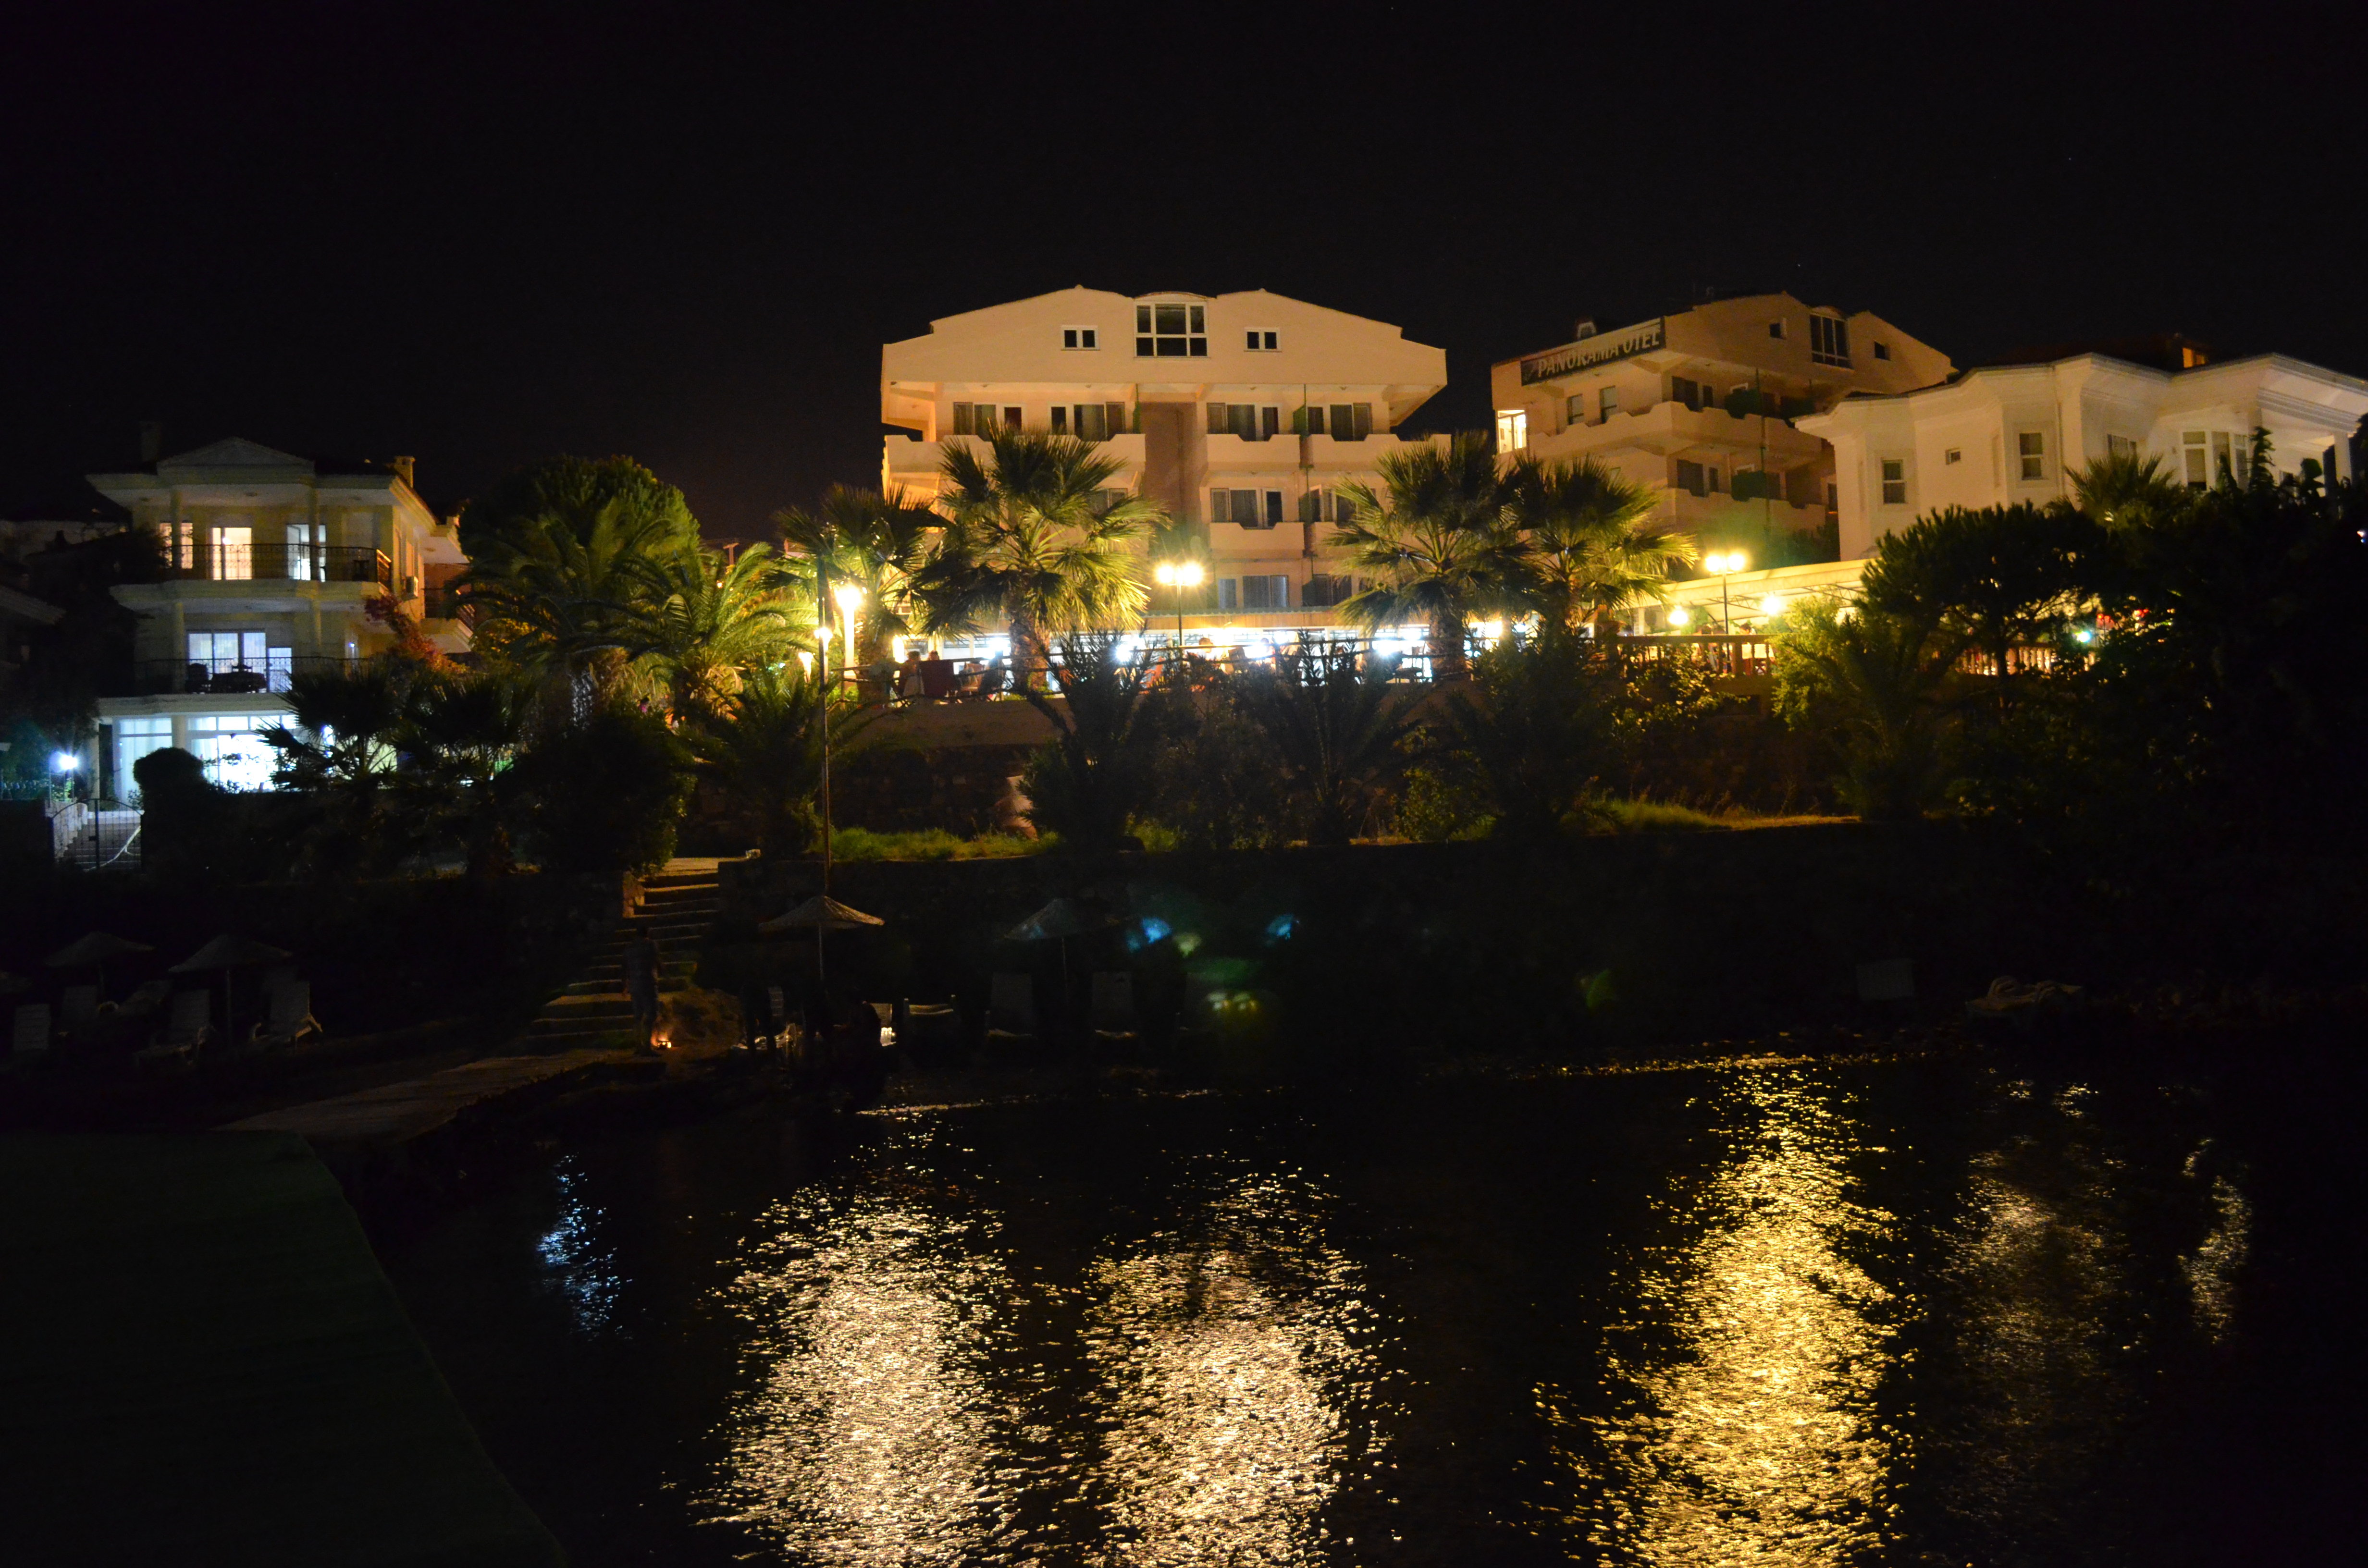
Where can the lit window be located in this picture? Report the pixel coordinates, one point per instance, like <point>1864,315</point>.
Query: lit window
<point>2032,447</point>
<point>1829,341</point>
<point>1953,456</point>
<point>1262,342</point>
<point>1171,332</point>
<point>1080,337</point>
<point>1895,481</point>
<point>1513,429</point>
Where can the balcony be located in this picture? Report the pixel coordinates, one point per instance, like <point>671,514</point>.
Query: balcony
<point>278,563</point>
<point>919,465</point>
<point>1670,428</point>
<point>187,677</point>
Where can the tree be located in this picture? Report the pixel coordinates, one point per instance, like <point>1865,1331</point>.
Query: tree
<point>763,745</point>
<point>1336,722</point>
<point>1876,681</point>
<point>459,731</point>
<point>602,796</point>
<point>1092,777</point>
<point>1439,536</point>
<point>573,495</point>
<point>876,542</point>
<point>1999,578</point>
<point>1535,732</point>
<point>1591,545</point>
<point>705,622</point>
<point>2127,490</point>
<point>1034,539</point>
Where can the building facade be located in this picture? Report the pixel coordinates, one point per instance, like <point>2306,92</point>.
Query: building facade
<point>271,568</point>
<point>1241,414</point>
<point>1704,405</point>
<point>2006,434</point>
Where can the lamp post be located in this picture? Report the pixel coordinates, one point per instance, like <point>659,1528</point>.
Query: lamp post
<point>1724,565</point>
<point>850,604</point>
<point>1179,575</point>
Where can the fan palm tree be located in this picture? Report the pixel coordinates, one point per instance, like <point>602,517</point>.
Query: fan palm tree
<point>1031,541</point>
<point>1439,536</point>
<point>763,744</point>
<point>703,621</point>
<point>1089,778</point>
<point>2128,489</point>
<point>1535,730</point>
<point>1336,727</point>
<point>874,541</point>
<point>1592,546</point>
<point>1876,680</point>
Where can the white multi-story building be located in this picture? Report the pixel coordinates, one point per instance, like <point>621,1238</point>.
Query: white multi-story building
<point>1242,414</point>
<point>271,568</point>
<point>1706,406</point>
<point>2004,434</point>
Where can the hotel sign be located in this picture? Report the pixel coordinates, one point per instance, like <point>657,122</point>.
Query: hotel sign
<point>1600,349</point>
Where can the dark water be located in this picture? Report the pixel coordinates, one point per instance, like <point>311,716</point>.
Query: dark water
<point>1944,1310</point>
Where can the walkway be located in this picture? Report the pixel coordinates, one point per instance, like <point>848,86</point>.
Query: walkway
<point>679,903</point>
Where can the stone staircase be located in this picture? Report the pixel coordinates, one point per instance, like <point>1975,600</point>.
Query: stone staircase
<point>679,903</point>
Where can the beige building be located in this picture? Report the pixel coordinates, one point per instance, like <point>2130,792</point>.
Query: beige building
<point>1242,414</point>
<point>1704,405</point>
<point>271,565</point>
<point>2014,433</point>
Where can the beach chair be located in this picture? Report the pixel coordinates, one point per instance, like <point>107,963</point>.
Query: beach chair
<point>77,1005</point>
<point>1011,1008</point>
<point>1113,1005</point>
<point>188,1026</point>
<point>32,1029</point>
<point>290,1016</point>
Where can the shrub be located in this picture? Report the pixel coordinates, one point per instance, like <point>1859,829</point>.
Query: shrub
<point>603,796</point>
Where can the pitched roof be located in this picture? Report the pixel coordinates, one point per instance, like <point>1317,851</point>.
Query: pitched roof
<point>236,451</point>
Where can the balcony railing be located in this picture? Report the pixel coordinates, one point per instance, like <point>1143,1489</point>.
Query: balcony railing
<point>280,562</point>
<point>274,674</point>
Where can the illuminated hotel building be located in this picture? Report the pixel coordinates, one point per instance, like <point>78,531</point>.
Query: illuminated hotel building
<point>1241,414</point>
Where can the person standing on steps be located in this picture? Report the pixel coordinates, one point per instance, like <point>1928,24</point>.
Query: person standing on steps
<point>642,966</point>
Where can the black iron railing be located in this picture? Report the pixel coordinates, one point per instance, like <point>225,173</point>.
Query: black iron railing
<point>166,677</point>
<point>280,563</point>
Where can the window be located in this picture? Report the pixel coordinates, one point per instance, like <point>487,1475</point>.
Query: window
<point>1060,420</point>
<point>2121,447</point>
<point>1895,481</point>
<point>1011,416</point>
<point>2199,465</point>
<point>1829,341</point>
<point>1266,593</point>
<point>1710,477</point>
<point>134,738</point>
<point>1953,456</point>
<point>1690,477</point>
<point>234,553</point>
<point>1776,329</point>
<point>1350,420</point>
<point>222,651</point>
<point>1080,337</point>
<point>1311,506</point>
<point>1088,421</point>
<point>1262,342</point>
<point>1882,351</point>
<point>1684,390</point>
<point>1171,332</point>
<point>2030,448</point>
<point>233,754</point>
<point>1245,508</point>
<point>1513,429</point>
<point>980,418</point>
<point>1247,420</point>
<point>1229,593</point>
<point>1608,403</point>
<point>1106,499</point>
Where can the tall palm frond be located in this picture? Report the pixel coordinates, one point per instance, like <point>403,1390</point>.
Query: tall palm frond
<point>705,622</point>
<point>874,541</point>
<point>1335,724</point>
<point>561,604</point>
<point>1439,534</point>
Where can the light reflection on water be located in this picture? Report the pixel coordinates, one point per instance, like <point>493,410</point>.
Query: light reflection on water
<point>1755,1437</point>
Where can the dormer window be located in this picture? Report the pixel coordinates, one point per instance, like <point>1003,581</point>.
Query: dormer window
<point>1080,337</point>
<point>1171,332</point>
<point>1263,342</point>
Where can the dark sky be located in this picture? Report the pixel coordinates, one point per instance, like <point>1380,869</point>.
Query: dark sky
<point>482,234</point>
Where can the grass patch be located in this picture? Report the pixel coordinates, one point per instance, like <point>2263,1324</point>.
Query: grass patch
<point>928,844</point>
<point>1667,816</point>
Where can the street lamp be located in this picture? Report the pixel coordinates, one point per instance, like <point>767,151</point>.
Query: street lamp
<point>1179,575</point>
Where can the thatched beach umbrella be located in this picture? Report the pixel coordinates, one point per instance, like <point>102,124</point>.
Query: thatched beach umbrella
<point>819,913</point>
<point>94,949</point>
<point>226,953</point>
<point>1057,922</point>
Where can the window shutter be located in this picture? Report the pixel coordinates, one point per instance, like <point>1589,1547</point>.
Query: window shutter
<point>962,419</point>
<point>1115,414</point>
<point>1364,420</point>
<point>1216,419</point>
<point>1344,423</point>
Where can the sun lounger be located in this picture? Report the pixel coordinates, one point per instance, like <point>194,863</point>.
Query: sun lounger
<point>291,1013</point>
<point>77,1004</point>
<point>32,1029</point>
<point>1114,1005</point>
<point>189,1026</point>
<point>1011,1008</point>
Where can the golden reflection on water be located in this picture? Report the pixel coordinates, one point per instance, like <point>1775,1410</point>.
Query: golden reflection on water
<point>1232,1380</point>
<point>1755,1438</point>
<point>866,1441</point>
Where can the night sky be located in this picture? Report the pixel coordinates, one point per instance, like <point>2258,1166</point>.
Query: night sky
<point>482,235</point>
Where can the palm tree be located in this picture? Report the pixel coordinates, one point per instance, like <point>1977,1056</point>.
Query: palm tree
<point>874,541</point>
<point>558,601</point>
<point>763,742</point>
<point>1592,545</point>
<point>2128,489</point>
<point>1336,727</point>
<point>1535,731</point>
<point>1439,536</point>
<point>1875,680</point>
<point>459,731</point>
<point>1096,771</point>
<point>1033,539</point>
<point>703,621</point>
